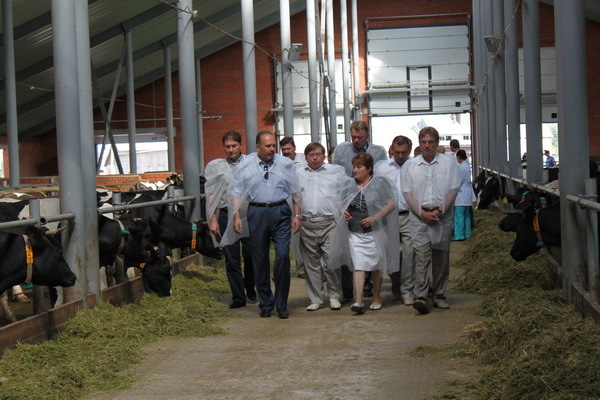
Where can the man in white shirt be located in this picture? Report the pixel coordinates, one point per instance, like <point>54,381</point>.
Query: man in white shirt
<point>430,184</point>
<point>322,187</point>
<point>403,280</point>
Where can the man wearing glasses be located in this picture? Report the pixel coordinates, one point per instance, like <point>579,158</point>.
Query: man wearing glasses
<point>322,187</point>
<point>258,195</point>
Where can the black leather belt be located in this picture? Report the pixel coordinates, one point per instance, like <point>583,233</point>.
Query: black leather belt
<point>273,204</point>
<point>430,209</point>
<point>402,212</point>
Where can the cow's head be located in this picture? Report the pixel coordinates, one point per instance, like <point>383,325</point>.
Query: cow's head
<point>204,242</point>
<point>157,270</point>
<point>489,193</point>
<point>136,242</point>
<point>49,266</point>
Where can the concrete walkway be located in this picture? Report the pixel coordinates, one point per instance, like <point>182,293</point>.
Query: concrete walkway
<point>323,354</point>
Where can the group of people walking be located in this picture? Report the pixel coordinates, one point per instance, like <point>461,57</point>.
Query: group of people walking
<point>356,219</point>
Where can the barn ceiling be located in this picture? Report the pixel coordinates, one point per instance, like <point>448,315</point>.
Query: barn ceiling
<point>153,25</point>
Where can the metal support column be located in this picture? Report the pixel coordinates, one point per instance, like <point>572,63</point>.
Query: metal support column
<point>131,105</point>
<point>169,109</point>
<point>313,82</point>
<point>91,262</point>
<point>492,132</point>
<point>513,109</point>
<point>12,131</point>
<point>331,73</point>
<point>345,65</point>
<point>286,68</point>
<point>249,60</point>
<point>187,101</point>
<point>500,90</point>
<point>571,76</point>
<point>68,139</point>
<point>199,116</point>
<point>355,67</point>
<point>533,89</point>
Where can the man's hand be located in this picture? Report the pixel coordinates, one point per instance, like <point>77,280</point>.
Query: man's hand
<point>430,217</point>
<point>213,225</point>
<point>296,224</point>
<point>237,223</point>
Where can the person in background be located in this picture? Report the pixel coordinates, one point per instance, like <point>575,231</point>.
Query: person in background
<point>218,175</point>
<point>550,161</point>
<point>344,153</point>
<point>417,151</point>
<point>430,184</point>
<point>464,199</point>
<point>258,198</point>
<point>330,155</point>
<point>403,280</point>
<point>288,149</point>
<point>322,186</point>
<point>372,219</point>
<point>454,146</point>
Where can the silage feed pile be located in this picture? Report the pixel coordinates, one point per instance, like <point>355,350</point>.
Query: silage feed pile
<point>99,344</point>
<point>530,343</point>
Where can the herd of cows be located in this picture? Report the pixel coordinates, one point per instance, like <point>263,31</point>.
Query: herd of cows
<point>141,237</point>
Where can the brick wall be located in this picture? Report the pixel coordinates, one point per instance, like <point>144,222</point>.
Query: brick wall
<point>222,78</point>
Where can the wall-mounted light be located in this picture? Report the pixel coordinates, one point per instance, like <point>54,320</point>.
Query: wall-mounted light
<point>492,43</point>
<point>295,52</point>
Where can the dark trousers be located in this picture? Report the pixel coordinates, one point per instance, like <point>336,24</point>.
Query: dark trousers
<point>238,281</point>
<point>266,225</point>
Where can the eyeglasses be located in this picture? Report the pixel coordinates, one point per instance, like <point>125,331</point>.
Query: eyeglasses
<point>266,175</point>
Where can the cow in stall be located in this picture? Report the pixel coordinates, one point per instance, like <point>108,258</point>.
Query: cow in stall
<point>170,228</point>
<point>157,270</point>
<point>33,255</point>
<point>489,193</point>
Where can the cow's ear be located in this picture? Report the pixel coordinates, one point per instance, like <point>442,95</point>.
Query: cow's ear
<point>35,236</point>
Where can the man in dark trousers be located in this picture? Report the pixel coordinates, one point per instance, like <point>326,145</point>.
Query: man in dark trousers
<point>259,193</point>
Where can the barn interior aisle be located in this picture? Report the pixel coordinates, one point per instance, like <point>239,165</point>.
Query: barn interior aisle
<point>322,354</point>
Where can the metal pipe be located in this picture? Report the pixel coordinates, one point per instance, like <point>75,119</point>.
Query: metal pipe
<point>131,104</point>
<point>59,217</point>
<point>500,90</point>
<point>313,88</point>
<point>249,62</point>
<point>355,66</point>
<point>345,68</point>
<point>533,105</point>
<point>488,30</point>
<point>169,109</point>
<point>331,73</point>
<point>573,142</point>
<point>511,53</point>
<point>37,291</point>
<point>199,116</point>
<point>20,223</point>
<point>10,88</point>
<point>68,138</point>
<point>124,207</point>
<point>286,68</point>
<point>187,95</point>
<point>91,261</point>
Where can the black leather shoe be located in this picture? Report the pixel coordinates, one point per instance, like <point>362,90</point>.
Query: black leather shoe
<point>251,296</point>
<point>283,313</point>
<point>237,304</point>
<point>265,314</point>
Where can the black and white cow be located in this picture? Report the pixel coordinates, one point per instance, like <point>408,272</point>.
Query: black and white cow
<point>157,270</point>
<point>48,267</point>
<point>489,193</point>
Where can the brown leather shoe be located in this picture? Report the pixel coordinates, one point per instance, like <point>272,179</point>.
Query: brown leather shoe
<point>441,304</point>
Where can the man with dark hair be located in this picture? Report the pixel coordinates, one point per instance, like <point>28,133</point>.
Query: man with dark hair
<point>430,183</point>
<point>218,174</point>
<point>454,146</point>
<point>344,152</point>
<point>403,280</point>
<point>258,198</point>
<point>288,149</point>
<point>322,187</point>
